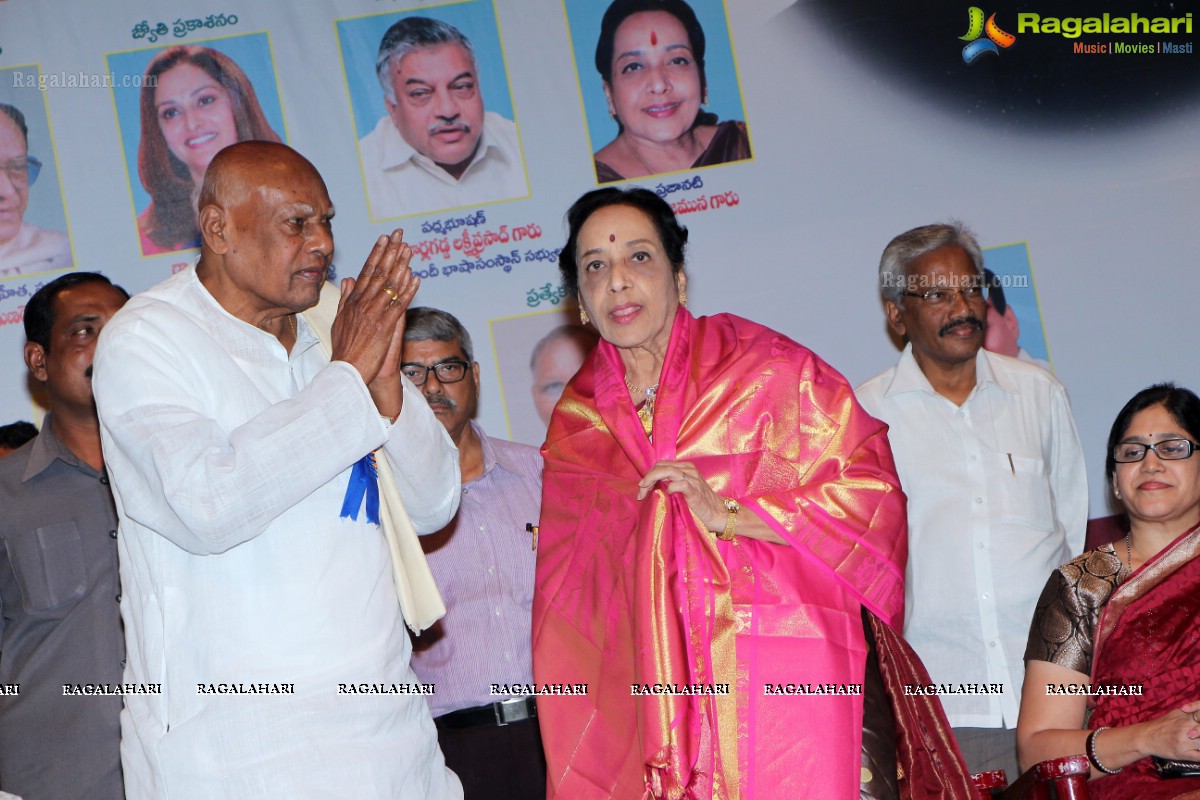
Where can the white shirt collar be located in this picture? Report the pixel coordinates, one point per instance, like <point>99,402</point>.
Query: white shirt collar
<point>909,377</point>
<point>397,152</point>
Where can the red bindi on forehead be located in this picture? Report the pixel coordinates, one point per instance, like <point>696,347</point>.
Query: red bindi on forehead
<point>653,38</point>
<point>612,237</point>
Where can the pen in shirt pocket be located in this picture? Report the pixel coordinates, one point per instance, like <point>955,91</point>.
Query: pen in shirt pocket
<point>1011,467</point>
<point>531,528</point>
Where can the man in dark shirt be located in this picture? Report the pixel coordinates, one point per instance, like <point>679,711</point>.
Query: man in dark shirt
<point>61,644</point>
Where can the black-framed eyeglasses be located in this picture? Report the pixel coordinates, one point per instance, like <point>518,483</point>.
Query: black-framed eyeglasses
<point>22,170</point>
<point>945,295</point>
<point>1167,450</point>
<point>451,370</point>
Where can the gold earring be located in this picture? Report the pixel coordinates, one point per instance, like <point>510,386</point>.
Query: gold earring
<point>583,317</point>
<point>683,298</point>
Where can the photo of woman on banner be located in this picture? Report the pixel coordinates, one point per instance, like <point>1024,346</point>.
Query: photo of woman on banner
<point>651,58</point>
<point>193,101</point>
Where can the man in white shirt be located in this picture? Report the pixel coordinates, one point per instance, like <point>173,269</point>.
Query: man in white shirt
<point>988,455</point>
<point>244,441</point>
<point>437,148</point>
<point>24,248</point>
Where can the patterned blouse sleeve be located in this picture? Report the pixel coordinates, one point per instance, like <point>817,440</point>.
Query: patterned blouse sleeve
<point>1069,609</point>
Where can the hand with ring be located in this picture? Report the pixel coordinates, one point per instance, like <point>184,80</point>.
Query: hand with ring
<point>368,330</point>
<point>682,477</point>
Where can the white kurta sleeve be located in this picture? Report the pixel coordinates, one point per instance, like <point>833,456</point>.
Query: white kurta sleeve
<point>425,464</point>
<point>204,458</point>
<point>1068,476</point>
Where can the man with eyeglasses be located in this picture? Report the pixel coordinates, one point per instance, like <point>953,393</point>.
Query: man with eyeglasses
<point>483,562</point>
<point>24,247</point>
<point>987,453</point>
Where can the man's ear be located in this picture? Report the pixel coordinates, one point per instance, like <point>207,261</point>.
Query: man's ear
<point>35,359</point>
<point>393,110</point>
<point>213,227</point>
<point>895,318</point>
<point>1010,318</point>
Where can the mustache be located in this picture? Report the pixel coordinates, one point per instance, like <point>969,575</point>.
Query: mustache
<point>969,319</point>
<point>443,123</point>
<point>442,400</point>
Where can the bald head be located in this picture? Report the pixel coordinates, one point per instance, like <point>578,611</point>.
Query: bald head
<point>237,169</point>
<point>266,231</point>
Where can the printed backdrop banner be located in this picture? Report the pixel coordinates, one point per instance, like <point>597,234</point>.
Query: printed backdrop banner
<point>798,140</point>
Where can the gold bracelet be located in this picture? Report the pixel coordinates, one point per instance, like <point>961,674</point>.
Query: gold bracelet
<point>733,508</point>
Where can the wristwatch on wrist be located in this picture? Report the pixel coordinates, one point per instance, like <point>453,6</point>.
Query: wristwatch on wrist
<point>733,507</point>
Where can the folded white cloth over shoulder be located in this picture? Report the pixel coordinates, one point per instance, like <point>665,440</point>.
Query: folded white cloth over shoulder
<point>420,601</point>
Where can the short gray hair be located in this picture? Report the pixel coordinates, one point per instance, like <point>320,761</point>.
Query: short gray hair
<point>432,324</point>
<point>911,245</point>
<point>407,35</point>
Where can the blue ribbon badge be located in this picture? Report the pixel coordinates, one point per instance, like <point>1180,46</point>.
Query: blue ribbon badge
<point>364,481</point>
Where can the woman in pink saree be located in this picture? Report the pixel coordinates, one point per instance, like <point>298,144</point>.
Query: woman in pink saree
<point>1122,619</point>
<point>717,509</point>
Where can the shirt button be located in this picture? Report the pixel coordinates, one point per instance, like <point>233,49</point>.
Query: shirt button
<point>986,596</point>
<point>117,598</point>
<point>973,458</point>
<point>982,545</point>
<point>991,644</point>
<point>497,612</point>
<point>491,570</point>
<point>978,500</point>
<point>112,534</point>
<point>465,490</point>
<point>104,480</point>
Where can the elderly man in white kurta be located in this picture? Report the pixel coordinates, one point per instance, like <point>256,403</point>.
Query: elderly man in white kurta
<point>257,585</point>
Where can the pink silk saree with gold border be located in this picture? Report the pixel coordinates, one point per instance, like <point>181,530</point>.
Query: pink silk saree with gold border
<point>639,593</point>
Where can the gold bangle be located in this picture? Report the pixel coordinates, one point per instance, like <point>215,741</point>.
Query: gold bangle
<point>733,508</point>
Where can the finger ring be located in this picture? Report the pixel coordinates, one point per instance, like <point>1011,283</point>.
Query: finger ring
<point>392,293</point>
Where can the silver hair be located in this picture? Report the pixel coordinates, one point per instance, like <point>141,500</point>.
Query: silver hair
<point>407,35</point>
<point>426,324</point>
<point>911,245</point>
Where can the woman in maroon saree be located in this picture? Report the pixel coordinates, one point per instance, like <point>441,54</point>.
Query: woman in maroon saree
<point>1121,620</point>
